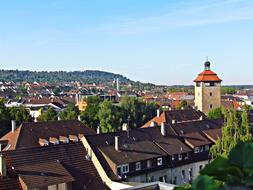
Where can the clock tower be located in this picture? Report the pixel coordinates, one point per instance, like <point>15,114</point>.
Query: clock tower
<point>207,90</point>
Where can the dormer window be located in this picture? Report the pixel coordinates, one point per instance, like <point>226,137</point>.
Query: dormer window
<point>180,157</point>
<point>119,170</point>
<point>149,164</point>
<point>125,168</point>
<point>137,166</point>
<point>196,150</point>
<point>159,161</point>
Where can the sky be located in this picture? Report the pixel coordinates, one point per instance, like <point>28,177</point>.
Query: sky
<point>159,41</point>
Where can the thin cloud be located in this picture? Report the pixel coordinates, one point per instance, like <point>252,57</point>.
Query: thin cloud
<point>214,12</point>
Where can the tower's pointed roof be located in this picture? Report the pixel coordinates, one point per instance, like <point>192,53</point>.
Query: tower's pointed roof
<point>207,75</point>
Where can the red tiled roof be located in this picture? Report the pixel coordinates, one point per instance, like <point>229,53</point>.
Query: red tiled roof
<point>207,76</point>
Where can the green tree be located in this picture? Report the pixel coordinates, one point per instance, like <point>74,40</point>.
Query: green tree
<point>90,115</point>
<point>71,112</point>
<point>216,113</point>
<point>183,104</point>
<point>109,116</point>
<point>4,115</point>
<point>19,114</point>
<point>236,129</point>
<point>136,112</point>
<point>49,115</point>
<point>230,172</point>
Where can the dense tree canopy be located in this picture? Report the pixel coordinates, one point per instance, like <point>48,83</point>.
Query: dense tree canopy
<point>109,116</point>
<point>71,112</point>
<point>19,114</point>
<point>49,115</point>
<point>216,113</point>
<point>90,115</point>
<point>236,129</point>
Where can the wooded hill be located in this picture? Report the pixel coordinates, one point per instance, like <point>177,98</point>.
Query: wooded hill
<point>88,76</point>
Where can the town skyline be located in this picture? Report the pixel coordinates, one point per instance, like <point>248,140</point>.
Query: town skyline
<point>161,42</point>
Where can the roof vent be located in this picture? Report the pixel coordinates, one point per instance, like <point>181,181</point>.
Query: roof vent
<point>153,124</point>
<point>87,157</point>
<point>98,130</point>
<point>173,121</point>
<point>43,142</point>
<point>73,138</point>
<point>53,140</point>
<point>63,139</point>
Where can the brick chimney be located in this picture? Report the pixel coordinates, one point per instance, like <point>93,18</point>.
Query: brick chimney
<point>157,113</point>
<point>98,130</point>
<point>2,159</point>
<point>117,143</point>
<point>163,131</point>
<point>13,126</point>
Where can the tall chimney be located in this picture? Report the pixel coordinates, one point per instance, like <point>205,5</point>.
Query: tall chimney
<point>163,131</point>
<point>157,113</point>
<point>117,143</point>
<point>13,125</point>
<point>98,130</point>
<point>2,161</point>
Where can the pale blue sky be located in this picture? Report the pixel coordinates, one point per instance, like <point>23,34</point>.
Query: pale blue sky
<point>158,41</point>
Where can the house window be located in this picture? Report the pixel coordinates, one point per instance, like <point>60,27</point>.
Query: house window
<point>190,175</point>
<point>151,179</point>
<point>186,156</point>
<point>183,174</point>
<point>201,149</point>
<point>125,168</point>
<point>163,179</point>
<point>206,147</point>
<point>211,106</point>
<point>159,161</point>
<point>137,166</point>
<point>196,150</point>
<point>200,167</point>
<point>175,180</point>
<point>149,164</point>
<point>211,94</point>
<point>180,157</point>
<point>173,157</point>
<point>119,170</point>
